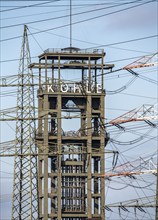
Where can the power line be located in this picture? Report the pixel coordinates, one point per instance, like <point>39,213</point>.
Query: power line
<point>121,42</point>
<point>124,59</point>
<point>65,16</point>
<point>42,13</point>
<point>81,21</point>
<point>28,6</point>
<point>83,41</point>
<point>136,95</point>
<point>36,41</point>
<point>65,5</point>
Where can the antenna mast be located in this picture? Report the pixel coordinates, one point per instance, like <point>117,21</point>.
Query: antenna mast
<point>70,23</point>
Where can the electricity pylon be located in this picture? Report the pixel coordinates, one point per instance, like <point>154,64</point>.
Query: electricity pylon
<point>145,113</point>
<point>25,186</point>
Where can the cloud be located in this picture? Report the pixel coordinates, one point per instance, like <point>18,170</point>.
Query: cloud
<point>142,17</point>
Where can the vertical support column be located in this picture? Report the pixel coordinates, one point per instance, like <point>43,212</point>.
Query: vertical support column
<point>52,71</point>
<point>40,74</point>
<point>82,75</point>
<point>45,150</point>
<point>53,190</point>
<point>40,109</point>
<point>95,76</point>
<point>82,122</point>
<point>102,71</point>
<point>40,158</point>
<point>46,75</point>
<point>58,73</point>
<point>89,157</point>
<point>89,74</point>
<point>102,160</point>
<point>102,143</point>
<point>59,100</point>
<point>40,184</point>
<point>96,184</point>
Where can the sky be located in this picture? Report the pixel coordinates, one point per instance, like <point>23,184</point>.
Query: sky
<point>126,30</point>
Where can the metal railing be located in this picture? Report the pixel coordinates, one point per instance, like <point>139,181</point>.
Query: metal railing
<point>86,51</point>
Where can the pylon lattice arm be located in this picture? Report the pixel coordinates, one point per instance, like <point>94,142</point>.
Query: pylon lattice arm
<point>139,202</point>
<point>143,113</point>
<point>107,175</point>
<point>145,61</point>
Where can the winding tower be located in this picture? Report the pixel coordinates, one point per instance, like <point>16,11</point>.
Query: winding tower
<point>71,161</point>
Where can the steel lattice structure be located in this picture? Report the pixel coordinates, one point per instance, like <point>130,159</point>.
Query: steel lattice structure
<point>70,186</point>
<point>145,112</point>
<point>25,196</point>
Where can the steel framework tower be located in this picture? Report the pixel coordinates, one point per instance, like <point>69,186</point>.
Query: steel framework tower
<point>25,196</point>
<point>70,168</point>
